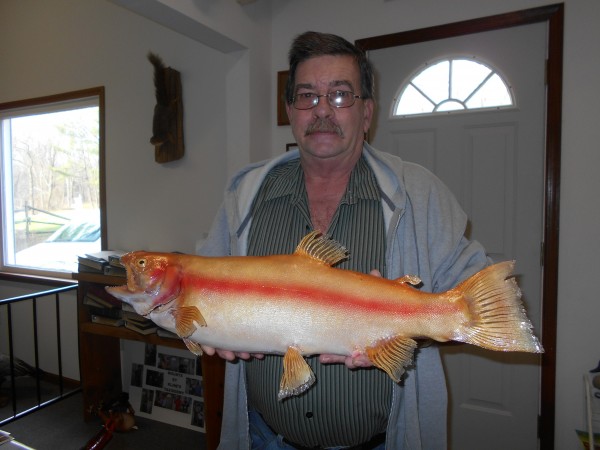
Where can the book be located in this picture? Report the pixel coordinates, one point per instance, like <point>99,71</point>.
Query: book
<point>92,302</point>
<point>115,259</point>
<point>128,307</point>
<point>134,317</point>
<point>99,260</point>
<point>88,269</point>
<point>107,321</point>
<point>114,271</point>
<point>149,328</point>
<point>137,323</point>
<point>166,333</point>
<point>113,313</point>
<point>101,298</point>
<point>89,264</point>
<point>105,255</point>
<point>130,314</point>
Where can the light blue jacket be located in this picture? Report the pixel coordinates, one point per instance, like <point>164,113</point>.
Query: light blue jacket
<point>425,237</point>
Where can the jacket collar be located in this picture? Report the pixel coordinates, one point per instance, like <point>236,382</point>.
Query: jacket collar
<point>388,170</point>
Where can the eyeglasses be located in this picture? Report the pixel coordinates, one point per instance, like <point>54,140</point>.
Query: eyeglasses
<point>337,99</point>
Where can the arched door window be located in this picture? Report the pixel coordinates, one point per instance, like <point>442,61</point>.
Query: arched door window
<point>453,84</point>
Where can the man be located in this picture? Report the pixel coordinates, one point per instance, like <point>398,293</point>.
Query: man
<point>393,216</point>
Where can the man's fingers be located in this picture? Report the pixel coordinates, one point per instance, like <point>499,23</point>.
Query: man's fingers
<point>232,356</point>
<point>226,354</point>
<point>353,361</point>
<point>208,350</point>
<point>358,360</point>
<point>332,359</point>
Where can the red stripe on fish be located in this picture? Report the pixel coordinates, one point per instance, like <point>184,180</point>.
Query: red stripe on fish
<point>316,295</point>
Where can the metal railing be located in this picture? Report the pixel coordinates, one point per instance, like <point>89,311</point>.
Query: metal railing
<point>12,375</point>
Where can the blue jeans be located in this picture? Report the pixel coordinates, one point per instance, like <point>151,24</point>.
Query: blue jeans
<point>263,438</point>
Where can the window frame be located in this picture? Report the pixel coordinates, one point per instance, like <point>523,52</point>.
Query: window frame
<point>14,272</point>
<point>452,57</point>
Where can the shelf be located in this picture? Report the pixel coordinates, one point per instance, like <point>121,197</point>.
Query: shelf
<point>124,333</point>
<point>100,362</point>
<point>99,278</point>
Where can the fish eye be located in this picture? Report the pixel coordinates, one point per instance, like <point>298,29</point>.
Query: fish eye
<point>141,263</point>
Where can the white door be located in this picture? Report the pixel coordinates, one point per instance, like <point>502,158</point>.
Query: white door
<point>493,161</point>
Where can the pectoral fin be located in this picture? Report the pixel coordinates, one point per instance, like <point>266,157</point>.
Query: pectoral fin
<point>297,375</point>
<point>185,317</point>
<point>392,355</point>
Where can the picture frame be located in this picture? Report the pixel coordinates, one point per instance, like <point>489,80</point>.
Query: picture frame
<point>166,384</point>
<point>282,118</point>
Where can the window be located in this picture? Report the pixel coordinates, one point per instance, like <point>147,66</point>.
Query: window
<point>52,183</point>
<point>451,85</point>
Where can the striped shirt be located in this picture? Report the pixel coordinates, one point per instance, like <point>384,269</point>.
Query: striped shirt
<point>344,407</point>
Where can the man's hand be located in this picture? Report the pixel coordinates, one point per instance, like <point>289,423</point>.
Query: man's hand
<point>229,355</point>
<point>354,361</point>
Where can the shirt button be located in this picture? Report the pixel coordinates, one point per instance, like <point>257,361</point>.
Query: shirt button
<point>309,415</point>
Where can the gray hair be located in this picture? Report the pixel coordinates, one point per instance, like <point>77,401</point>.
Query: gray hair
<point>312,44</point>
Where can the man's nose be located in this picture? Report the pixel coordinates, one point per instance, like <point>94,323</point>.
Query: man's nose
<point>323,107</point>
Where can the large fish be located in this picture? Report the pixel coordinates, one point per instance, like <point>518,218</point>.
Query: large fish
<point>299,305</point>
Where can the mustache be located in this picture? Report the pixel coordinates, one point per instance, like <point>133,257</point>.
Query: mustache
<point>323,125</point>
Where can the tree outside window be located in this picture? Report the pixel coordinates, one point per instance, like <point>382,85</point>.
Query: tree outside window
<point>51,182</point>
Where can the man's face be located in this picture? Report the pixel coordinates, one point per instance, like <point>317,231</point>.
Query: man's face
<point>325,131</point>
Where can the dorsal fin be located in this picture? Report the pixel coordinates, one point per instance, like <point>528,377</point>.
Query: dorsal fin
<point>321,248</point>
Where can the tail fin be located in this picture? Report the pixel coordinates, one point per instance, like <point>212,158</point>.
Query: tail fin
<point>498,320</point>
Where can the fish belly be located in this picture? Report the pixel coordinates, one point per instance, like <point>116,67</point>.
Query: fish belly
<point>256,325</point>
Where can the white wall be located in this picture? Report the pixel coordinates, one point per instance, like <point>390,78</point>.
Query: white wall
<point>65,45</point>
<point>62,45</point>
<point>57,46</point>
<point>578,348</point>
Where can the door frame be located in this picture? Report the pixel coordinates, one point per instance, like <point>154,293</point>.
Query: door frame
<point>554,16</point>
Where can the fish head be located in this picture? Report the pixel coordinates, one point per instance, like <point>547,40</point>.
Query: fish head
<point>153,281</point>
